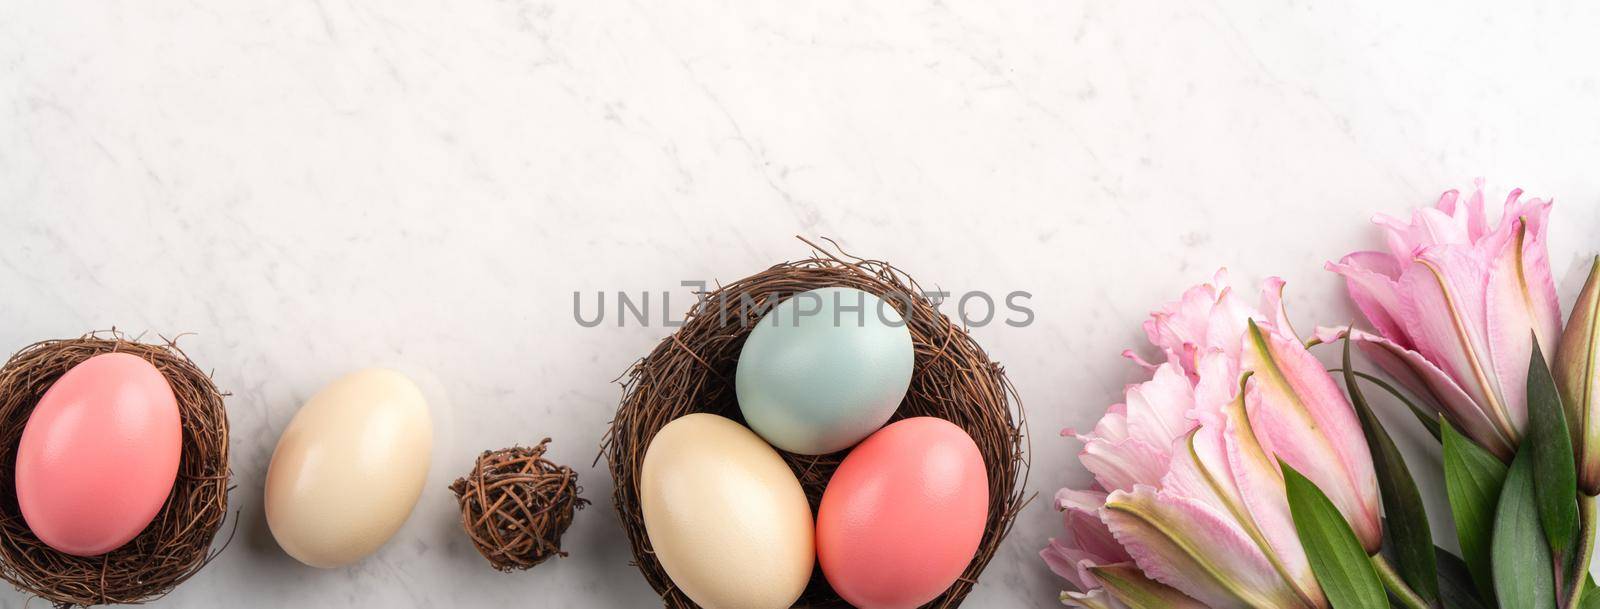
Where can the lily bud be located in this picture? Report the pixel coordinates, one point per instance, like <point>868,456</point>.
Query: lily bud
<point>1577,372</point>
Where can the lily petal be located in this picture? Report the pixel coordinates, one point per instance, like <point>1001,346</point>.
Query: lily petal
<point>1156,408</point>
<point>1370,279</point>
<point>1509,316</point>
<point>1540,281</point>
<point>1123,465</point>
<point>1071,563</point>
<point>1221,466</point>
<point>1262,498</point>
<point>1081,500</point>
<point>1098,598</point>
<point>1086,533</point>
<point>1301,417</point>
<point>1272,307</point>
<point>1446,319</point>
<point>1431,385</point>
<point>1125,583</point>
<point>1184,544</point>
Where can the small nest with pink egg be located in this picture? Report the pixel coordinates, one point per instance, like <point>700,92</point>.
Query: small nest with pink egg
<point>177,544</point>
<point>693,370</point>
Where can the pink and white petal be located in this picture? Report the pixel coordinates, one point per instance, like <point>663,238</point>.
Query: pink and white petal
<point>1228,319</point>
<point>1071,564</point>
<point>1477,219</point>
<point>1094,599</point>
<point>1127,584</point>
<point>1157,408</point>
<point>1181,326</point>
<point>1477,222</point>
<point>1301,416</point>
<point>1089,501</point>
<point>1428,227</point>
<point>1434,388</point>
<point>1217,382</point>
<point>1397,235</point>
<point>1539,279</point>
<point>1272,307</point>
<point>1442,228</point>
<point>1221,466</point>
<point>1370,280</point>
<point>1063,561</point>
<point>1186,545</point>
<point>1122,465</point>
<point>1445,318</point>
<point>1510,327</point>
<point>1199,469</point>
<point>1087,541</point>
<point>1138,359</point>
<point>1089,535</point>
<point>1259,488</point>
<point>1112,426</point>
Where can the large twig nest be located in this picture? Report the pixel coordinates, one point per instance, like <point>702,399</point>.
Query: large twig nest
<point>177,543</point>
<point>693,370</point>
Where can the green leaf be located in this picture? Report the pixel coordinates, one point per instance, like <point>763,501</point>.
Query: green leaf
<point>1456,588</point>
<point>1523,572</point>
<point>1556,486</point>
<point>1342,567</point>
<point>1472,480</point>
<point>1427,418</point>
<point>1407,519</point>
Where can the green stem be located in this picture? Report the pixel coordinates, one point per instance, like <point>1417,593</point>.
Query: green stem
<point>1397,586</point>
<point>1580,566</point>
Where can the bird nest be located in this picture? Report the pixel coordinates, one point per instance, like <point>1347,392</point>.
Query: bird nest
<point>516,504</point>
<point>693,370</point>
<point>177,543</point>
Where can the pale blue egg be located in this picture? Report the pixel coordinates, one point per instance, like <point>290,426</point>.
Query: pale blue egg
<point>824,369</point>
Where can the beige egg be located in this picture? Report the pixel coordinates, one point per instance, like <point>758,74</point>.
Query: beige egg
<point>348,468</point>
<point>726,518</point>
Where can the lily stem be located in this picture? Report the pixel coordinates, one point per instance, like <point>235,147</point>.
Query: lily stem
<point>1580,565</point>
<point>1397,586</point>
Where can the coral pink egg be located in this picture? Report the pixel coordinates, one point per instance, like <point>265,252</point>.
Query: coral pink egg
<point>99,455</point>
<point>902,516</point>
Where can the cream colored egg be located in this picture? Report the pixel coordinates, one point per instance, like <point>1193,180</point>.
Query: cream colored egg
<point>726,518</point>
<point>348,468</point>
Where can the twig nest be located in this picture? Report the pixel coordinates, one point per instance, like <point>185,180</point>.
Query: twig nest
<point>516,504</point>
<point>694,369</point>
<point>177,543</point>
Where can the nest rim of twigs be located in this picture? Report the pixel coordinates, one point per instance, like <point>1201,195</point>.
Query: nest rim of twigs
<point>516,505</point>
<point>692,371</point>
<point>177,543</point>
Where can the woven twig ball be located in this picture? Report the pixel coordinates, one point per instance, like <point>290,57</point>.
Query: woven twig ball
<point>516,504</point>
<point>177,543</point>
<point>693,369</point>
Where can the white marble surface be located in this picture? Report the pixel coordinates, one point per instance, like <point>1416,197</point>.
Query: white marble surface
<point>313,186</point>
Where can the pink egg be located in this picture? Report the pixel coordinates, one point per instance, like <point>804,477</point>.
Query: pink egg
<point>99,455</point>
<point>902,516</point>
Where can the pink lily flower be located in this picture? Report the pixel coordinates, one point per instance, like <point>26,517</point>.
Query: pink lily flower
<point>1188,504</point>
<point>1453,302</point>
